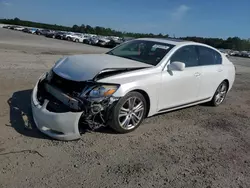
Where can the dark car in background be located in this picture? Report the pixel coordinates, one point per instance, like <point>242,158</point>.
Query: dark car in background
<point>51,35</point>
<point>6,27</point>
<point>59,35</point>
<point>108,43</point>
<point>26,30</point>
<point>29,30</point>
<point>12,27</point>
<point>87,41</point>
<point>43,31</point>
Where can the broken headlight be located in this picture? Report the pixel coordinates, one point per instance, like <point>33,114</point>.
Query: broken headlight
<point>100,91</point>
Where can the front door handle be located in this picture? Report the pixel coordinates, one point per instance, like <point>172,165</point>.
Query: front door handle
<point>220,70</point>
<point>197,74</point>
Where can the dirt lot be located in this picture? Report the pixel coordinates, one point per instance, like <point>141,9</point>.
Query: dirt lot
<point>198,147</point>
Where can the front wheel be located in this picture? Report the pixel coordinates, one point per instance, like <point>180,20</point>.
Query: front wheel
<point>128,113</point>
<point>220,94</point>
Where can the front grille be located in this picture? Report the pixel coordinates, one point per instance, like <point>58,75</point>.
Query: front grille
<point>57,106</point>
<point>54,104</point>
<point>67,86</point>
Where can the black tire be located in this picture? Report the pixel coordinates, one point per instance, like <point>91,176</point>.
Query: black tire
<point>114,122</point>
<point>77,40</point>
<point>68,38</point>
<point>214,101</point>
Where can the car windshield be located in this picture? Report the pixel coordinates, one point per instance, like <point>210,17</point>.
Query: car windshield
<point>149,52</point>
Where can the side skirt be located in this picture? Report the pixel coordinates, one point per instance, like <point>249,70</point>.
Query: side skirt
<point>184,105</point>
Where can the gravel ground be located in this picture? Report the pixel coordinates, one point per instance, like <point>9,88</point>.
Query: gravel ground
<point>199,147</point>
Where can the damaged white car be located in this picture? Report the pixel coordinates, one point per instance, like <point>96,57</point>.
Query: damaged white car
<point>135,80</point>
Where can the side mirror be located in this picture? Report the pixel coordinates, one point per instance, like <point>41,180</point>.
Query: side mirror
<point>176,65</point>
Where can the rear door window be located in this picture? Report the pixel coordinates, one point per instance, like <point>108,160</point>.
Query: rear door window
<point>208,56</point>
<point>187,55</point>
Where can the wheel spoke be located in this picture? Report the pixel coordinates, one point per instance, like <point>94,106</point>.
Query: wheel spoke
<point>223,88</point>
<point>138,107</point>
<point>123,112</point>
<point>126,122</point>
<point>131,102</point>
<point>217,98</point>
<point>222,92</point>
<point>133,120</point>
<point>136,118</point>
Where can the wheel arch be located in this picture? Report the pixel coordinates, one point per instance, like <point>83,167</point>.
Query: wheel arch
<point>146,96</point>
<point>226,80</point>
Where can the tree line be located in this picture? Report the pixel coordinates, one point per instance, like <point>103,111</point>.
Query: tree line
<point>80,29</point>
<point>234,43</point>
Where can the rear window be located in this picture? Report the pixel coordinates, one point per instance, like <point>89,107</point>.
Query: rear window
<point>208,56</point>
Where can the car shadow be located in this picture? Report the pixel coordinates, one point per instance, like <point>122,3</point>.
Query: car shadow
<point>21,115</point>
<point>84,128</point>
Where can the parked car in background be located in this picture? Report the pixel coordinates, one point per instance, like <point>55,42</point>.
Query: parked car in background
<point>94,40</point>
<point>30,30</point>
<point>245,54</point>
<point>18,28</point>
<point>110,43</point>
<point>43,31</point>
<point>87,40</point>
<point>79,37</point>
<point>59,35</point>
<point>68,36</point>
<point>135,80</point>
<point>26,30</point>
<point>103,42</point>
<point>6,27</point>
<point>51,35</point>
<point>13,27</point>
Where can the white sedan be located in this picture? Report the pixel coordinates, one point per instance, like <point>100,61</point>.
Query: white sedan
<point>79,38</point>
<point>135,80</point>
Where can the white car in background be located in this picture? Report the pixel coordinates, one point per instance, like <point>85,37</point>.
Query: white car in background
<point>68,36</point>
<point>79,37</point>
<point>137,79</point>
<point>18,28</point>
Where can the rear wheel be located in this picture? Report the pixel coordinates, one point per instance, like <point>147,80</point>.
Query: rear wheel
<point>220,94</point>
<point>128,113</point>
<point>77,40</point>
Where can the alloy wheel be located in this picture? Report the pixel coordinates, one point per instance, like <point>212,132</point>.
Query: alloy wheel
<point>221,93</point>
<point>131,113</point>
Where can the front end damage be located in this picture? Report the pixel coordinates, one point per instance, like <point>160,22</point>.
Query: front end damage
<point>61,107</point>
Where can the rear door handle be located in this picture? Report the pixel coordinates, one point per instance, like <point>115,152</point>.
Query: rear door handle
<point>197,74</point>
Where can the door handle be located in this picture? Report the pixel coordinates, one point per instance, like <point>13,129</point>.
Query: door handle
<point>220,70</point>
<point>197,74</point>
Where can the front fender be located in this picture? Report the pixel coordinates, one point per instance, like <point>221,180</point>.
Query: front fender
<point>150,90</point>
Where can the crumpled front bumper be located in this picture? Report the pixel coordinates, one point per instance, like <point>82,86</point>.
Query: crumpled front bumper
<point>61,126</point>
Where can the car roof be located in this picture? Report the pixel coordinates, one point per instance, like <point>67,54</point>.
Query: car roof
<point>177,42</point>
<point>172,41</point>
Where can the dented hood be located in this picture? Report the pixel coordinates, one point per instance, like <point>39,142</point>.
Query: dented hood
<point>86,67</point>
